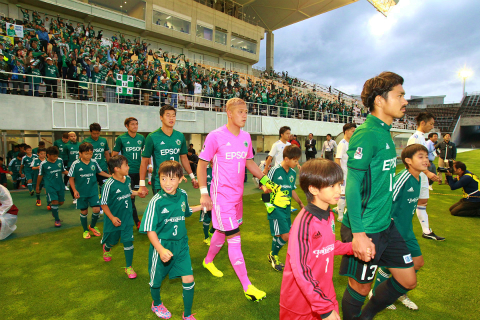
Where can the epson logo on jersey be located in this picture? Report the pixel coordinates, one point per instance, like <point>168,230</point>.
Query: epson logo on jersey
<point>133,149</point>
<point>324,250</point>
<point>389,164</point>
<point>236,155</point>
<point>99,150</point>
<point>165,152</point>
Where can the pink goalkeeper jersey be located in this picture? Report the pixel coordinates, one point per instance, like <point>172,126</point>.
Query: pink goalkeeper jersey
<point>229,154</point>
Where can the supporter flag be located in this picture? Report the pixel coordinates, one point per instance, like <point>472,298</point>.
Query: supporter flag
<point>125,84</point>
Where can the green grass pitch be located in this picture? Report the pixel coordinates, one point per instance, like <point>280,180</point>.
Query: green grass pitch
<point>49,273</point>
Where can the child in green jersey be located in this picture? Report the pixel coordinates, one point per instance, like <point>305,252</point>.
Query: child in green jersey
<point>50,172</point>
<point>117,205</point>
<point>25,169</point>
<point>14,167</point>
<point>406,191</point>
<point>279,218</point>
<point>83,182</point>
<point>42,155</point>
<point>164,223</point>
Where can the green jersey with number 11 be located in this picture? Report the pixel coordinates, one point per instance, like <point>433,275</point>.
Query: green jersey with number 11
<point>131,148</point>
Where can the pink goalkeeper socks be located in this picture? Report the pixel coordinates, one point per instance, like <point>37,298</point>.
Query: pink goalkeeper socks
<point>236,259</point>
<point>216,243</point>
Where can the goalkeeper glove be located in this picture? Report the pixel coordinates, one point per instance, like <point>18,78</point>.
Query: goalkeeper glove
<point>278,197</point>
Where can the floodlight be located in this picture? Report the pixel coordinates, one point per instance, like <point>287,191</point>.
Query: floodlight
<point>465,73</point>
<point>383,6</point>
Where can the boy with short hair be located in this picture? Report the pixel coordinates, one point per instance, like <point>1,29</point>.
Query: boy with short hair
<point>117,205</point>
<point>307,289</point>
<point>35,165</point>
<point>25,167</point>
<point>406,191</point>
<point>280,218</point>
<point>14,167</point>
<point>50,172</point>
<point>83,181</point>
<point>164,223</point>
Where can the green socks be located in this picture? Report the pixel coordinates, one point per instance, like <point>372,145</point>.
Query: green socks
<point>382,275</point>
<point>95,217</point>
<point>38,196</point>
<point>205,230</point>
<point>188,289</point>
<point>83,221</point>
<point>128,250</point>
<point>277,244</point>
<point>55,212</point>
<point>155,292</point>
<point>107,248</point>
<point>29,185</point>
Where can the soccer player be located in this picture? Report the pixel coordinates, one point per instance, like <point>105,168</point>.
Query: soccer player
<point>101,150</point>
<point>164,144</point>
<point>62,149</point>
<point>206,216</point>
<point>50,172</point>
<point>12,154</point>
<point>71,149</point>
<point>164,224</point>
<point>406,191</point>
<point>84,184</point>
<point>25,169</point>
<point>35,165</point>
<point>230,148</point>
<point>41,145</point>
<point>307,288</point>
<point>341,158</point>
<point>14,167</point>
<point>371,169</point>
<point>117,204</point>
<point>425,123</point>
<point>277,149</point>
<point>280,218</point>
<point>131,144</point>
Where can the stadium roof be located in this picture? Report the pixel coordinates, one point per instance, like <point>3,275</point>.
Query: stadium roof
<point>276,14</point>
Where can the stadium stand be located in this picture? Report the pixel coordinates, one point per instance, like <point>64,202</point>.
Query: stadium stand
<point>445,114</point>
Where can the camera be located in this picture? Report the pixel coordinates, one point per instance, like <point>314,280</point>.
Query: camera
<point>448,167</point>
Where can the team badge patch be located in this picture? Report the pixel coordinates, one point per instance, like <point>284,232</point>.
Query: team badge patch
<point>333,226</point>
<point>291,179</point>
<point>358,153</point>
<point>407,258</point>
<point>59,165</point>
<point>93,167</point>
<point>178,142</point>
<point>139,142</point>
<point>102,144</point>
<point>245,143</point>
<point>183,206</point>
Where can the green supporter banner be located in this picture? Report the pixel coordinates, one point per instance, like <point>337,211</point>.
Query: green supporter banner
<point>124,85</point>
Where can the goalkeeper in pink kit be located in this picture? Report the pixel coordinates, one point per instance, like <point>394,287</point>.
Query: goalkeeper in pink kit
<point>230,148</point>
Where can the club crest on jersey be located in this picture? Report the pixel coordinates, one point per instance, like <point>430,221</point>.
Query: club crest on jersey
<point>333,226</point>
<point>93,167</point>
<point>245,143</point>
<point>358,153</point>
<point>178,142</point>
<point>291,179</point>
<point>59,165</point>
<point>102,144</point>
<point>183,206</point>
<point>139,142</point>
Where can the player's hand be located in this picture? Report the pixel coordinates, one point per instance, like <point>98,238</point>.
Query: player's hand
<point>195,183</point>
<point>141,195</point>
<point>280,199</point>
<point>333,316</point>
<point>363,247</point>
<point>432,176</point>
<point>165,255</point>
<point>150,170</point>
<point>22,175</point>
<point>206,202</point>
<point>116,222</point>
<point>143,190</point>
<point>76,195</point>
<point>265,171</point>
<point>270,184</point>
<point>37,190</point>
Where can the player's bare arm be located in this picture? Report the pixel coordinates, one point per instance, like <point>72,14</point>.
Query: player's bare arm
<point>104,174</point>
<point>107,155</point>
<point>165,254</point>
<point>267,165</point>
<point>143,173</point>
<point>116,222</point>
<point>39,181</point>
<point>297,199</point>
<point>76,194</point>
<point>186,166</point>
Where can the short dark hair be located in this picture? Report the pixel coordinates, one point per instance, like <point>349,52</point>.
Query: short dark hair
<point>171,168</point>
<point>41,143</point>
<point>190,150</point>
<point>319,173</point>
<point>292,152</point>
<point>128,120</point>
<point>460,165</point>
<point>283,130</point>
<point>21,155</point>
<point>65,135</point>
<point>328,134</point>
<point>116,162</point>
<point>52,151</point>
<point>410,151</point>
<point>431,134</point>
<point>446,134</point>
<point>16,146</point>
<point>349,126</point>
<point>95,127</point>
<point>27,147</point>
<point>424,116</point>
<point>41,150</point>
<point>165,108</point>
<point>380,85</point>
<point>85,147</point>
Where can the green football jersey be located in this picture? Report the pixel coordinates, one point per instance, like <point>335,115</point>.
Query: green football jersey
<point>406,191</point>
<point>99,148</point>
<point>35,163</point>
<point>62,148</point>
<point>162,148</point>
<point>52,174</point>
<point>85,176</point>
<point>117,196</point>
<point>131,148</point>
<point>165,214</point>
<point>72,152</point>
<point>26,162</point>
<point>14,165</point>
<point>286,181</point>
<point>371,153</point>
<point>35,151</point>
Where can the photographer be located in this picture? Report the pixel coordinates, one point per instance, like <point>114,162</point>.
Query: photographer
<point>447,153</point>
<point>469,206</point>
<point>430,145</point>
